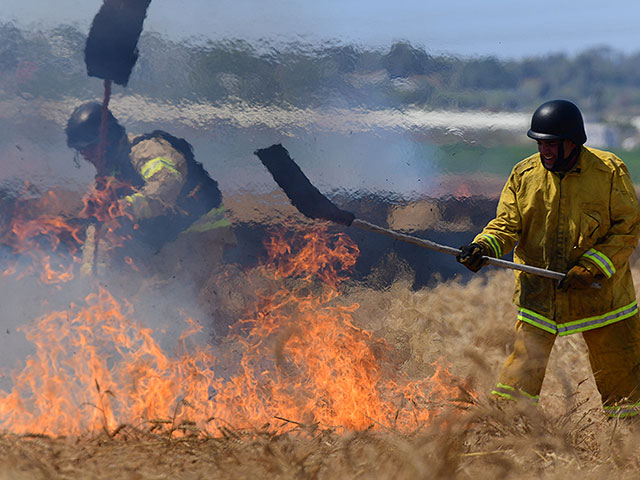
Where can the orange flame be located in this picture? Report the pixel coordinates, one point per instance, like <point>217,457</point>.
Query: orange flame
<point>51,242</point>
<point>102,206</point>
<point>463,191</point>
<point>300,358</point>
<point>39,237</point>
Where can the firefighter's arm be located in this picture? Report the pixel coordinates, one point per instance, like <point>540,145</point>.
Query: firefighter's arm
<point>164,171</point>
<point>614,249</point>
<point>502,233</point>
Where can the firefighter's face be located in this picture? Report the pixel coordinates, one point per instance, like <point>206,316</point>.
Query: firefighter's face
<point>552,150</point>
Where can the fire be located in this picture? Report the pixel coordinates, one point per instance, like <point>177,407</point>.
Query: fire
<point>463,191</point>
<point>50,244</point>
<point>296,358</point>
<point>101,207</point>
<point>47,243</point>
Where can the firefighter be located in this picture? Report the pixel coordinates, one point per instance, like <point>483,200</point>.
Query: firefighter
<point>174,207</point>
<point>573,209</point>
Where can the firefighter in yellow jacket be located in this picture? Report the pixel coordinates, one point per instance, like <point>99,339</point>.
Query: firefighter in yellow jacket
<point>572,209</point>
<point>169,199</point>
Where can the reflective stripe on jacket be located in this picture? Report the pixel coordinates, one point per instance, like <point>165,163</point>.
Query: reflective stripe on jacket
<point>589,215</point>
<point>164,171</point>
<point>215,218</point>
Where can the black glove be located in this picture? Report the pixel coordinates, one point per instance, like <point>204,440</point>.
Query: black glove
<point>471,256</point>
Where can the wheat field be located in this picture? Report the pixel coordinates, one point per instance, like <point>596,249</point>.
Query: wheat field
<point>469,327</point>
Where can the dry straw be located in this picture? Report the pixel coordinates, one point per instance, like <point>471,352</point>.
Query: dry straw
<point>470,326</point>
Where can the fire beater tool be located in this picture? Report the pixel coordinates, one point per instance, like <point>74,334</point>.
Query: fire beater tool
<point>311,203</point>
<point>110,53</point>
<point>111,49</point>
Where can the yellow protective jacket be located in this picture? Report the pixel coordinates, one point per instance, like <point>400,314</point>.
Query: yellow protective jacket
<point>589,215</point>
<point>177,196</point>
<point>164,171</point>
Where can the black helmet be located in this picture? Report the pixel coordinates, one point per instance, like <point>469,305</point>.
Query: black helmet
<point>558,120</point>
<point>83,127</point>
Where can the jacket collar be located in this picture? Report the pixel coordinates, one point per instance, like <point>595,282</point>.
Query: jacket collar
<point>583,163</point>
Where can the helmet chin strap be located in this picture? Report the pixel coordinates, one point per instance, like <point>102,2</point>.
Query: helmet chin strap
<point>563,164</point>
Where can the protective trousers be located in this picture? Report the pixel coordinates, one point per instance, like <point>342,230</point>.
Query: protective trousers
<point>614,355</point>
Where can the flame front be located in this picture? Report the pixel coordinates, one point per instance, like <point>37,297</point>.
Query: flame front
<point>297,356</point>
<point>51,243</point>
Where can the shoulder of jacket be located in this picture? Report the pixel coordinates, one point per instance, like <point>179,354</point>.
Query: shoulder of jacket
<point>604,160</point>
<point>142,141</point>
<point>148,143</point>
<point>138,138</point>
<point>527,164</point>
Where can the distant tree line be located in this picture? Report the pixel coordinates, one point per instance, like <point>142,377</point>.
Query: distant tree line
<point>51,64</point>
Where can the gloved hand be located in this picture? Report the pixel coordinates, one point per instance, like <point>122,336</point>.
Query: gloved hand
<point>471,256</point>
<point>578,278</point>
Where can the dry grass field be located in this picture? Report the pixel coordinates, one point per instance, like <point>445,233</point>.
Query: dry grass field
<point>466,327</point>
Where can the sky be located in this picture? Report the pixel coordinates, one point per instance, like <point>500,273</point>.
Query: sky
<point>506,29</point>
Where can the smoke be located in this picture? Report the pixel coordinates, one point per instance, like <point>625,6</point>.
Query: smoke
<point>337,119</point>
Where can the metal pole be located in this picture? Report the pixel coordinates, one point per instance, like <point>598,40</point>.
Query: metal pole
<point>364,225</point>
